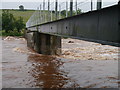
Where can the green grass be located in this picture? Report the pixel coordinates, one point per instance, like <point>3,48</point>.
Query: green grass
<point>24,14</point>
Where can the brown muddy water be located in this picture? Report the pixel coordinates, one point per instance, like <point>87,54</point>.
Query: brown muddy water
<point>82,64</point>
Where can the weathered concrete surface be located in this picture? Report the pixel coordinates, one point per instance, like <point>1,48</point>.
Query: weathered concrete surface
<point>29,37</point>
<point>44,43</point>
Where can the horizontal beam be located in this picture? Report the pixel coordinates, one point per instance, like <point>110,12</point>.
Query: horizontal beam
<point>98,25</point>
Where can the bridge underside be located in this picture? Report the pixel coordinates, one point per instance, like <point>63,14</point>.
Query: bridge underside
<point>101,26</point>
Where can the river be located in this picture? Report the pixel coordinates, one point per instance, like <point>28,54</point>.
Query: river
<point>82,64</point>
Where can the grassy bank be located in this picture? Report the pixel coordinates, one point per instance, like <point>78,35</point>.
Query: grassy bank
<point>10,33</point>
<point>24,14</point>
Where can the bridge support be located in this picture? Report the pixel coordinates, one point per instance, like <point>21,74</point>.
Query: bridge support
<point>44,43</point>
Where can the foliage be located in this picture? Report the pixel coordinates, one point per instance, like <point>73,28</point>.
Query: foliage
<point>19,24</point>
<point>63,12</point>
<point>11,33</point>
<point>24,14</point>
<point>79,11</point>
<point>21,8</point>
<point>9,23</point>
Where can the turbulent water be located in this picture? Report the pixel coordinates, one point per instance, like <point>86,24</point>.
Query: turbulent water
<point>24,68</point>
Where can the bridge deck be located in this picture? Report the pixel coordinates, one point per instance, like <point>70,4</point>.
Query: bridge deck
<point>99,25</point>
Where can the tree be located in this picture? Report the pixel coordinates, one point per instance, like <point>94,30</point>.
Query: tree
<point>21,8</point>
<point>79,11</point>
<point>7,21</point>
<point>63,12</point>
<point>19,24</point>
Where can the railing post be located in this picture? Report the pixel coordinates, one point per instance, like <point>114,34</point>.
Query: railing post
<point>99,4</point>
<point>48,10</point>
<point>71,7</point>
<point>40,15</point>
<point>56,7</point>
<point>51,14</point>
<point>91,5</point>
<point>59,11</point>
<point>36,17</point>
<point>76,7</point>
<point>66,8</point>
<point>43,11</point>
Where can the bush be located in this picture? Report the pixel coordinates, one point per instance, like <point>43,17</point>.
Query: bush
<point>10,24</point>
<point>19,25</point>
<point>8,21</point>
<point>11,33</point>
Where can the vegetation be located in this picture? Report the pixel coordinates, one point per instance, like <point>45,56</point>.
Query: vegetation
<point>9,23</point>
<point>63,13</point>
<point>24,14</point>
<point>21,8</point>
<point>19,24</point>
<point>13,22</point>
<point>11,33</point>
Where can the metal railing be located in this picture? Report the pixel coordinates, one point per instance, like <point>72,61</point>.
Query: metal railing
<point>53,10</point>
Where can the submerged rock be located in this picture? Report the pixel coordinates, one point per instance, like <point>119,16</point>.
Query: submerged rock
<point>71,42</point>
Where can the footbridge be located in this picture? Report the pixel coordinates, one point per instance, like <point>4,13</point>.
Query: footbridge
<point>46,27</point>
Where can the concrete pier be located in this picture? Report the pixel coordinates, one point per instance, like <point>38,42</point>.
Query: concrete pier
<point>44,43</point>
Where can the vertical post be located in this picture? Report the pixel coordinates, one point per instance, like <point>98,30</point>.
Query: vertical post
<point>43,10</point>
<point>91,5</point>
<point>66,8</point>
<point>40,15</point>
<point>45,17</point>
<point>37,15</point>
<point>51,15</point>
<point>99,4</point>
<point>48,10</point>
<point>76,7</point>
<point>59,11</point>
<point>71,7</point>
<point>56,5</point>
<point>34,17</point>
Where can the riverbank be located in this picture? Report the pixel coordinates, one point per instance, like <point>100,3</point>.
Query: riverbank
<point>78,66</point>
<point>11,33</point>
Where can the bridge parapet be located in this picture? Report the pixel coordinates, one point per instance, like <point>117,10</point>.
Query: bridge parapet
<point>101,26</point>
